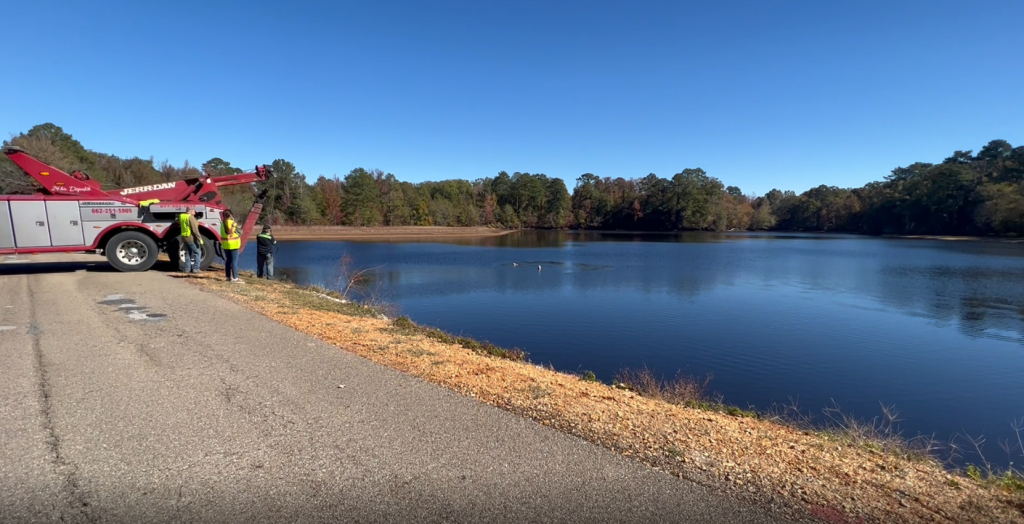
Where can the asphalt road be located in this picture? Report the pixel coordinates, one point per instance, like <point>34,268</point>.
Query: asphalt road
<point>139,398</point>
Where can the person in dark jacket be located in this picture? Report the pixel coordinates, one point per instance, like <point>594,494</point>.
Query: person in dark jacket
<point>265,254</point>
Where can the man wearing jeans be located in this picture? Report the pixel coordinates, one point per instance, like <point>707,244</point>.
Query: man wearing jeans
<point>265,254</point>
<point>191,238</point>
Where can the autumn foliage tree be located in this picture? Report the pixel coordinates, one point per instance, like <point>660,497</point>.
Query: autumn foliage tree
<point>965,194</point>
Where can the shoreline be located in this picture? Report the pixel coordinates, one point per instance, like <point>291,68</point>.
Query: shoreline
<point>379,234</point>
<point>432,233</point>
<point>949,238</point>
<point>808,473</point>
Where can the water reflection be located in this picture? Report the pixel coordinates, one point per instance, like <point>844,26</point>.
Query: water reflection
<point>950,283</point>
<point>983,302</point>
<point>823,317</point>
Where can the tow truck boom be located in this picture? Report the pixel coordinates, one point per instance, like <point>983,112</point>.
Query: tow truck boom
<point>53,181</point>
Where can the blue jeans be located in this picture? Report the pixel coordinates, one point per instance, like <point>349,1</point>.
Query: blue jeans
<point>192,257</point>
<point>231,264</point>
<point>264,266</point>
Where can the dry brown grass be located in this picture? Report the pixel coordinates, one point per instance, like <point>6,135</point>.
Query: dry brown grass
<point>809,474</point>
<point>682,390</point>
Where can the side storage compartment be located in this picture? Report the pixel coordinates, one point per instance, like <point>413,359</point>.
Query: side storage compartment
<point>6,230</point>
<point>29,219</point>
<point>99,215</point>
<point>65,223</point>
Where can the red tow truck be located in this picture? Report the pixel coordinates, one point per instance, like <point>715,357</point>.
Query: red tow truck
<point>72,214</point>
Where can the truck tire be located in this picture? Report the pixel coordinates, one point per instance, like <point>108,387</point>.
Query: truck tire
<point>131,251</point>
<point>207,253</point>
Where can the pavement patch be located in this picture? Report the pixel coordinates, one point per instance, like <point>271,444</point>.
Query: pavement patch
<point>130,308</point>
<point>116,301</point>
<point>136,314</point>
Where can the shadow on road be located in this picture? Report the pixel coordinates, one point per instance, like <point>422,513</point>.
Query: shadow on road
<point>29,267</point>
<point>33,268</point>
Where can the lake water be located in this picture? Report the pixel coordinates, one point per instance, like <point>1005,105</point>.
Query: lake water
<point>935,328</point>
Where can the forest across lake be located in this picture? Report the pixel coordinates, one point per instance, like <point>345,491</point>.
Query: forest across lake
<point>966,193</point>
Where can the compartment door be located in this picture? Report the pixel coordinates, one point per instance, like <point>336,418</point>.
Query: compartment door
<point>6,231</point>
<point>65,223</point>
<point>29,219</point>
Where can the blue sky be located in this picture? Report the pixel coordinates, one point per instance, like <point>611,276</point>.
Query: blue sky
<point>761,94</point>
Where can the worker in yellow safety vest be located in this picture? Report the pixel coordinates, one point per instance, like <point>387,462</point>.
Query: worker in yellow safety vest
<point>230,242</point>
<point>191,238</point>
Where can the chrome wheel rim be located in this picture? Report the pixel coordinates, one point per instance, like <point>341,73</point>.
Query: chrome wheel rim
<point>132,252</point>
<point>183,252</point>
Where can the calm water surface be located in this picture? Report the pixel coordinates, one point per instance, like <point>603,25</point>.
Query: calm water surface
<point>934,328</point>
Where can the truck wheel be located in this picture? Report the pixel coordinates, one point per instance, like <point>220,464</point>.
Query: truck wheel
<point>206,256</point>
<point>209,253</point>
<point>131,251</point>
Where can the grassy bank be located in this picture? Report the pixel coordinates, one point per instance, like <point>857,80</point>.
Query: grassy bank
<point>831,476</point>
<point>380,234</point>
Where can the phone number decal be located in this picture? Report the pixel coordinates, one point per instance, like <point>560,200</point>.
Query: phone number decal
<point>112,210</point>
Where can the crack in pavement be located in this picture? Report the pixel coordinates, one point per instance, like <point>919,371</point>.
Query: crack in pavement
<point>67,471</point>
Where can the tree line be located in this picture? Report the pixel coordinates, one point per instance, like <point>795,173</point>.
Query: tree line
<point>965,194</point>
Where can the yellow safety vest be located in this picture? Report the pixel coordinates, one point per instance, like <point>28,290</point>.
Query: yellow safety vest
<point>229,238</point>
<point>186,227</point>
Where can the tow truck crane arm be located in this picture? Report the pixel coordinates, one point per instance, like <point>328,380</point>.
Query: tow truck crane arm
<point>204,190</point>
<point>53,181</point>
<point>254,215</point>
<point>198,190</point>
<point>56,182</point>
